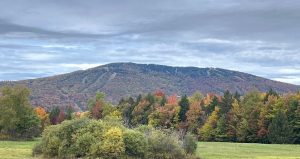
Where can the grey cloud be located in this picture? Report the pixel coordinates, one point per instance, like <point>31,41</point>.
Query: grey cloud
<point>258,37</point>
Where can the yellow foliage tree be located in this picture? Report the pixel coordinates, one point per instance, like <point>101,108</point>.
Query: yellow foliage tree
<point>207,131</point>
<point>113,145</point>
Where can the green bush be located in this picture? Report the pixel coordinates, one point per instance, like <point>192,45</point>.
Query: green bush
<point>189,144</point>
<point>112,145</point>
<point>37,149</point>
<point>83,144</point>
<point>50,141</point>
<point>57,139</point>
<point>95,127</point>
<point>135,143</point>
<point>167,146</point>
<point>52,146</point>
<point>88,138</point>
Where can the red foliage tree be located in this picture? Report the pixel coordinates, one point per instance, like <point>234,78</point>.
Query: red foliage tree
<point>61,116</point>
<point>97,110</point>
<point>159,93</point>
<point>172,99</point>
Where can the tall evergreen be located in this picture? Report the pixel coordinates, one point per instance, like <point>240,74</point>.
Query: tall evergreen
<point>279,130</point>
<point>237,96</point>
<point>69,112</point>
<point>221,130</point>
<point>296,126</point>
<point>54,115</point>
<point>271,92</point>
<point>163,101</point>
<point>184,107</point>
<point>211,107</point>
<point>226,102</point>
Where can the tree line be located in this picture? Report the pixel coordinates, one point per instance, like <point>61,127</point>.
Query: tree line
<point>255,117</point>
<point>260,117</point>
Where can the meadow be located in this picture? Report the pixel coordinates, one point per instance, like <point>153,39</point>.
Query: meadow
<point>223,150</point>
<point>16,149</point>
<point>206,150</point>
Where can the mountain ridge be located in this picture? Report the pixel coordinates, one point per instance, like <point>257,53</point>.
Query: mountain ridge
<point>119,80</point>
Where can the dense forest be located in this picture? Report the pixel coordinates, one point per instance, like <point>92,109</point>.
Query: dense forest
<point>146,120</point>
<point>255,117</point>
<point>263,117</point>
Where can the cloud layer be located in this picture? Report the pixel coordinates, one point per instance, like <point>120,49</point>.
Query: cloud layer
<point>43,38</point>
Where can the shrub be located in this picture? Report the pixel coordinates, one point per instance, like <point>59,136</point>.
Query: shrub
<point>167,146</point>
<point>189,144</point>
<point>57,139</point>
<point>135,143</point>
<point>94,127</point>
<point>37,149</point>
<point>83,144</point>
<point>50,142</point>
<point>52,146</point>
<point>87,138</point>
<point>64,150</point>
<point>112,145</point>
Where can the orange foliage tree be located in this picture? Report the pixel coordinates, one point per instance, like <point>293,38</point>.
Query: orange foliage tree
<point>43,115</point>
<point>193,116</point>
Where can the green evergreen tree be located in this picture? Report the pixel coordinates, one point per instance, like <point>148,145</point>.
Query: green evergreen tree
<point>242,130</point>
<point>54,113</point>
<point>211,107</point>
<point>271,92</point>
<point>69,112</point>
<point>184,107</point>
<point>138,99</point>
<point>280,131</point>
<point>163,101</point>
<point>296,126</point>
<point>221,130</point>
<point>237,96</point>
<point>226,102</point>
<point>253,127</point>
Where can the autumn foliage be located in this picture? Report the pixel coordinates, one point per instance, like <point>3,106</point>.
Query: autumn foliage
<point>212,117</point>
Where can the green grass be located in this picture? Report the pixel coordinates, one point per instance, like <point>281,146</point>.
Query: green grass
<point>221,150</point>
<point>206,150</point>
<point>16,149</point>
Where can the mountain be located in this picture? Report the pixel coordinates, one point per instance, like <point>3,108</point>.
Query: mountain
<point>119,80</point>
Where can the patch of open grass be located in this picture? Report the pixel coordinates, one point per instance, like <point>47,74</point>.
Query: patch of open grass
<point>16,149</point>
<point>222,150</point>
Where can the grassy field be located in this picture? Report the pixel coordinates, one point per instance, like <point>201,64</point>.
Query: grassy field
<point>16,149</point>
<point>220,150</point>
<point>206,150</point>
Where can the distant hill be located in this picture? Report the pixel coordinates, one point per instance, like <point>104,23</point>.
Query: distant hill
<point>119,80</point>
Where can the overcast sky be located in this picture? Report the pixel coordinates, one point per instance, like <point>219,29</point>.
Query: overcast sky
<point>40,38</point>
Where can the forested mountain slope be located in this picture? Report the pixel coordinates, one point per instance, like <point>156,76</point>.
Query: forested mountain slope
<point>119,80</point>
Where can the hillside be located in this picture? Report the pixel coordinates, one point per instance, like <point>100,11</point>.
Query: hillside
<point>119,80</point>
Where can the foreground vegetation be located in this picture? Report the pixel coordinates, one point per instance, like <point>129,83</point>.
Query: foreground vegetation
<point>107,138</point>
<point>225,150</point>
